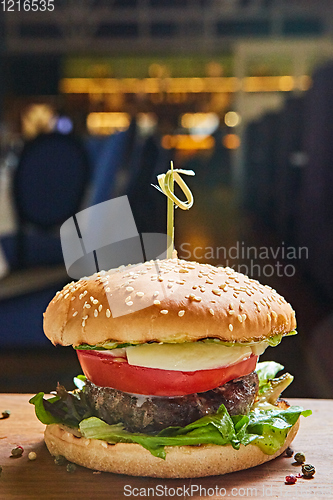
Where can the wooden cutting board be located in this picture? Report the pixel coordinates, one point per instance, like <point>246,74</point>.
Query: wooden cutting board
<point>23,479</point>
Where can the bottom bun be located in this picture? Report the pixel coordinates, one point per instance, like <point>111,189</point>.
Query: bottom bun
<point>134,460</point>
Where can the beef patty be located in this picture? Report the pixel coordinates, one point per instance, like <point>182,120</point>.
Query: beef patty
<point>152,413</point>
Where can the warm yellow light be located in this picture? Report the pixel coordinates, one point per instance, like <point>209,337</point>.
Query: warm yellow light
<point>192,120</point>
<point>286,83</point>
<point>231,141</point>
<point>37,119</point>
<point>232,119</point>
<point>107,123</point>
<point>187,142</point>
<point>170,85</point>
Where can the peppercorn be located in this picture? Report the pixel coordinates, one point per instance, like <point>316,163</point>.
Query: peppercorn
<point>289,452</point>
<point>299,457</point>
<point>17,452</point>
<point>32,455</point>
<point>60,460</point>
<point>5,414</point>
<point>308,470</point>
<point>71,467</point>
<point>291,479</point>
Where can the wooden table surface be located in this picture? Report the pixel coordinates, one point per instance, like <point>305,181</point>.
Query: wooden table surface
<point>41,479</point>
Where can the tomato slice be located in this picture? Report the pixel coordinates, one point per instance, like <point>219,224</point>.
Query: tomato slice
<point>107,371</point>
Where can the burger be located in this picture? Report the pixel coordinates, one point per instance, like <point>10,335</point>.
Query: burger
<point>172,386</point>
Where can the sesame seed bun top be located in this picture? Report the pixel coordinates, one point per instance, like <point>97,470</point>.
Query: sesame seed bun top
<point>170,300</point>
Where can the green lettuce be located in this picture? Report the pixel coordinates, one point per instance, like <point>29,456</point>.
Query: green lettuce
<point>113,344</point>
<point>266,429</point>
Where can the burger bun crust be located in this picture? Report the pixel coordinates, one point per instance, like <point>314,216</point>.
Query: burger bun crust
<point>134,460</point>
<point>170,300</point>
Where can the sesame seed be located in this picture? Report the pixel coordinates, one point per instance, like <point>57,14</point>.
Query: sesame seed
<point>211,312</point>
<point>241,307</point>
<point>85,317</point>
<point>128,298</point>
<point>274,314</point>
<point>91,298</point>
<point>269,317</point>
<point>182,270</point>
<point>244,317</point>
<point>164,311</point>
<point>74,314</point>
<point>209,281</point>
<point>231,327</point>
<point>216,292</point>
<point>107,289</point>
<point>139,294</point>
<point>231,305</point>
<point>197,299</point>
<point>169,285</point>
<point>231,311</point>
<point>181,313</point>
<point>223,286</point>
<point>100,307</point>
<point>66,296</point>
<point>83,323</point>
<point>95,301</point>
<point>155,294</point>
<point>240,318</point>
<point>95,313</point>
<point>157,302</point>
<point>129,289</point>
<point>73,298</point>
<point>194,287</point>
<point>242,300</point>
<point>108,313</point>
<point>129,303</point>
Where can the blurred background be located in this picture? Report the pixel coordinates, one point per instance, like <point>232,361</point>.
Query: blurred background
<point>96,98</point>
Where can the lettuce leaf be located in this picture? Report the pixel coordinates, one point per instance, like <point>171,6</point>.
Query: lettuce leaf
<point>113,344</point>
<point>266,429</point>
<point>267,370</point>
<point>68,408</point>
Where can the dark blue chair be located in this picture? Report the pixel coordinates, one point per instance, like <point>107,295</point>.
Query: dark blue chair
<point>48,187</point>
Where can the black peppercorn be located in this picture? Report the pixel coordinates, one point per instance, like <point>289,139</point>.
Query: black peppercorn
<point>289,452</point>
<point>299,457</point>
<point>60,460</point>
<point>308,470</point>
<point>71,468</point>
